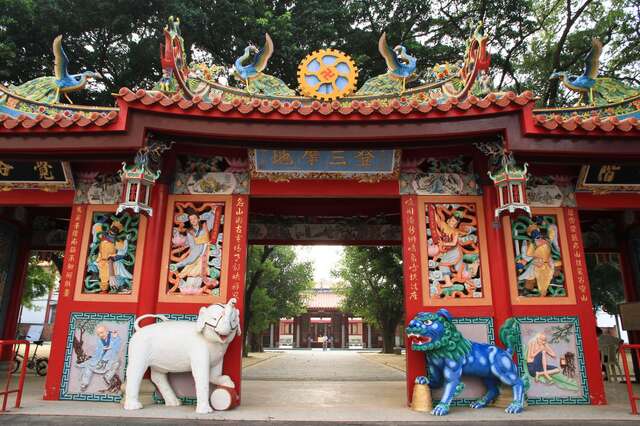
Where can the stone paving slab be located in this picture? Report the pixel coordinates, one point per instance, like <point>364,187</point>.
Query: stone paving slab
<point>319,365</point>
<point>399,362</point>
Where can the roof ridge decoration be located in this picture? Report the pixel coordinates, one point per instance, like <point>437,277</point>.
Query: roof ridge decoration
<point>603,102</point>
<point>197,80</point>
<point>42,94</point>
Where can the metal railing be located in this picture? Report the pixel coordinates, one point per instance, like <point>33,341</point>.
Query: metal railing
<point>11,366</point>
<point>635,349</point>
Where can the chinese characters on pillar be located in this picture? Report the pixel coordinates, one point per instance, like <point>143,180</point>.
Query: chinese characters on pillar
<point>576,254</point>
<point>411,248</point>
<point>72,254</point>
<point>238,243</point>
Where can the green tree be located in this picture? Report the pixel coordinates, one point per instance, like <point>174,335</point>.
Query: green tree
<point>39,282</point>
<point>275,288</point>
<point>371,282</point>
<point>607,288</point>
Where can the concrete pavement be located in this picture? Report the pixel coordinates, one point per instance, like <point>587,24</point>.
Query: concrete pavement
<point>318,365</point>
<point>283,401</point>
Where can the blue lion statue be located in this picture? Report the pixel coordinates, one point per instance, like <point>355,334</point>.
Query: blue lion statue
<point>450,356</point>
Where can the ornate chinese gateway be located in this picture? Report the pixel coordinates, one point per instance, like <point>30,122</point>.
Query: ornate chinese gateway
<point>159,195</point>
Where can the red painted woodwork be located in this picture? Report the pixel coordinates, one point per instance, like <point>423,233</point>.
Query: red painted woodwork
<point>65,305</point>
<point>17,288</point>
<point>154,236</point>
<point>240,221</point>
<point>324,188</point>
<point>495,242</point>
<point>36,197</point>
<point>588,201</point>
<point>416,365</point>
<point>584,309</point>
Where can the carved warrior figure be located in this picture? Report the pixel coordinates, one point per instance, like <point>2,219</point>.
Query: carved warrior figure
<point>450,356</point>
<point>180,346</point>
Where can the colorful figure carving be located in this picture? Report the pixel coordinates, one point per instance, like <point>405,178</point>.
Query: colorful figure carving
<point>450,356</point>
<point>196,252</point>
<point>111,254</point>
<point>401,68</point>
<point>180,346</point>
<point>538,258</point>
<point>48,89</point>
<point>453,251</point>
<point>256,82</point>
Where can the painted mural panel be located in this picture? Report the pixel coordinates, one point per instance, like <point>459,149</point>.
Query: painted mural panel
<point>457,268</point>
<point>550,355</point>
<point>96,356</point>
<point>195,250</point>
<point>111,254</point>
<point>539,272</point>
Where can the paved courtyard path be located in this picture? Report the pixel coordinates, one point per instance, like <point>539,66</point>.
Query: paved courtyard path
<point>321,366</point>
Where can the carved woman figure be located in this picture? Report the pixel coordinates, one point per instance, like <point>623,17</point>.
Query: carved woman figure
<point>193,270</point>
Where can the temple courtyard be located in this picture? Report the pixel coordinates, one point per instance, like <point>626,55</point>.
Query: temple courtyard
<point>312,386</point>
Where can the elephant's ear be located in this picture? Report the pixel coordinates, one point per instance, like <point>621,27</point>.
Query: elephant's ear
<point>202,318</point>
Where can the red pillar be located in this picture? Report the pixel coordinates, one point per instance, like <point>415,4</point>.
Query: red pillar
<point>148,292</point>
<point>585,308</point>
<point>17,288</point>
<point>412,283</point>
<point>495,244</point>
<point>237,269</point>
<point>65,302</point>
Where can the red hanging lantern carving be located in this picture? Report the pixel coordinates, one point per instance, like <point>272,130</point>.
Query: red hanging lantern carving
<point>138,180</point>
<point>511,185</point>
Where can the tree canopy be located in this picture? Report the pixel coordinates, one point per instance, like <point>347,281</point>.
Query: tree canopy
<point>275,288</point>
<point>371,282</point>
<point>120,38</point>
<point>39,281</point>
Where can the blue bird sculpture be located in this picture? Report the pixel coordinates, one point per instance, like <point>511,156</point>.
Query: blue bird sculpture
<point>401,68</point>
<point>48,89</point>
<point>583,84</point>
<point>249,70</point>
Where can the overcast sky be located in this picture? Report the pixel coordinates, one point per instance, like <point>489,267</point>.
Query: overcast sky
<point>324,258</point>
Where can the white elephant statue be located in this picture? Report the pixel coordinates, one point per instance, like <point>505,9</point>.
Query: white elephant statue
<point>179,346</point>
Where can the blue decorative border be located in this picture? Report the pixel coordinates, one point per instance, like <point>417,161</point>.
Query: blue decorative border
<point>568,400</point>
<point>157,398</point>
<point>74,316</point>
<point>491,339</point>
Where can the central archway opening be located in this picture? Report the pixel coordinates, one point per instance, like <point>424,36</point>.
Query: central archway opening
<point>328,352</point>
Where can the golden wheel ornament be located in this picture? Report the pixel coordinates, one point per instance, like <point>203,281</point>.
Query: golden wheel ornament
<point>327,74</point>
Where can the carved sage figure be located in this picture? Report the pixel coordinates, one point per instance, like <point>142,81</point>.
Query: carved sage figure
<point>450,356</point>
<point>179,346</point>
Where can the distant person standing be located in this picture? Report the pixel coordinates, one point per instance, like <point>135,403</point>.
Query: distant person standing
<point>324,342</point>
<point>331,342</point>
<point>309,341</point>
